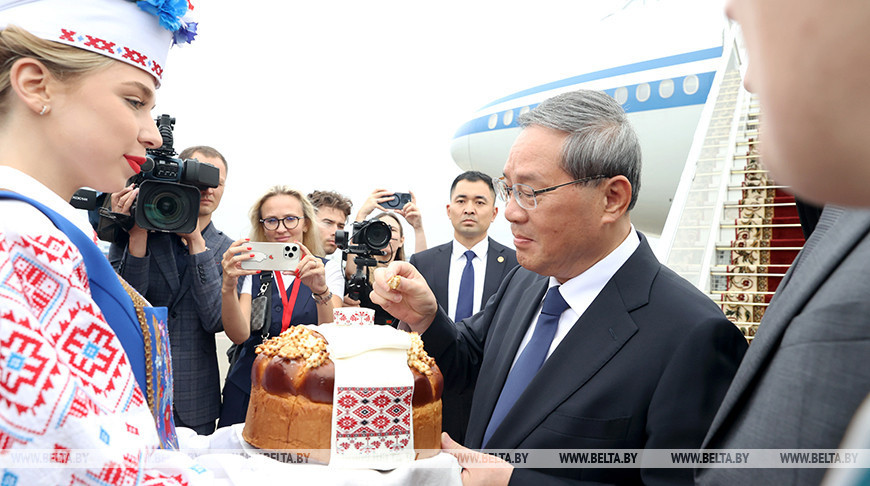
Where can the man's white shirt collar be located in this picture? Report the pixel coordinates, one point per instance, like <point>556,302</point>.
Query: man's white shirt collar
<point>581,290</point>
<point>479,250</point>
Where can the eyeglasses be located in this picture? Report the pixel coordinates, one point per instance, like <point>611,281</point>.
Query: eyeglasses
<point>289,222</point>
<point>525,196</point>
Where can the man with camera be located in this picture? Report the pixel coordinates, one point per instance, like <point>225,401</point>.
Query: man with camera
<point>332,211</point>
<point>464,273</point>
<point>182,272</point>
<point>622,353</point>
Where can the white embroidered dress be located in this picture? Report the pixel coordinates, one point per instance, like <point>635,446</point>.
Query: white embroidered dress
<point>71,411</point>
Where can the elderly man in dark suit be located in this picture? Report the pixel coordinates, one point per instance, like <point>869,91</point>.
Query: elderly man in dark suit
<point>591,343</point>
<point>464,273</point>
<point>183,273</point>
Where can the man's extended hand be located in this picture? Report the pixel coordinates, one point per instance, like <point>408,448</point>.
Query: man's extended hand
<point>410,301</point>
<point>496,473</point>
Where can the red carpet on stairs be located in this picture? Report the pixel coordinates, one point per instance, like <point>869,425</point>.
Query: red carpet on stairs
<point>766,241</point>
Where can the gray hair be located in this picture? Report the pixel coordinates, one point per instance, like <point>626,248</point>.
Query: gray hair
<point>600,139</point>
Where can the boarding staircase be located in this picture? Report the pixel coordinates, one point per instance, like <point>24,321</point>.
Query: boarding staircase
<point>732,231</point>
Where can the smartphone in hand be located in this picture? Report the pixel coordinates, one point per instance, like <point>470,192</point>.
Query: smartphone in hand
<point>273,256</point>
<point>398,201</point>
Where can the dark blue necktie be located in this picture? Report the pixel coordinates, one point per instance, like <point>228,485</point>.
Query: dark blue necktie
<point>465,302</point>
<point>530,359</point>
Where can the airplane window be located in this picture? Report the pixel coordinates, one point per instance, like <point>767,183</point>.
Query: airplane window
<point>493,121</point>
<point>621,95</point>
<point>642,92</point>
<point>666,88</point>
<point>690,84</point>
<point>524,110</point>
<point>508,117</point>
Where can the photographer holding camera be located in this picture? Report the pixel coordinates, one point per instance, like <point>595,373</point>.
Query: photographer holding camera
<point>402,203</point>
<point>182,271</point>
<point>358,283</point>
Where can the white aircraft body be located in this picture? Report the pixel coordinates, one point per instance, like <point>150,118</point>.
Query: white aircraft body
<point>663,96</point>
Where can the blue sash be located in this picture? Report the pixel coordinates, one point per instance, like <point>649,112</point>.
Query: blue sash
<point>154,376</point>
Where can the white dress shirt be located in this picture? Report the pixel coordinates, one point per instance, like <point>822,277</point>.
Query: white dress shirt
<point>580,291</point>
<point>457,266</point>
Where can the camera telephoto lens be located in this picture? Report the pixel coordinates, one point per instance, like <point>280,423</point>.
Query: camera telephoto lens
<point>375,235</point>
<point>378,235</point>
<point>167,206</point>
<point>165,209</point>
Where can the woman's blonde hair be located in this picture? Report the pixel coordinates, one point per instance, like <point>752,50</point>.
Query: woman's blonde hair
<point>66,63</point>
<point>310,237</point>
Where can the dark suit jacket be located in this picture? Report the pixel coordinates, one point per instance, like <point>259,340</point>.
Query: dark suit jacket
<point>194,303</point>
<point>434,265</point>
<point>645,366</point>
<point>806,372</point>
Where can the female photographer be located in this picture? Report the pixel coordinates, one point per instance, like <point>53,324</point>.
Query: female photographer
<point>83,358</point>
<point>410,211</point>
<point>299,296</point>
<point>395,250</point>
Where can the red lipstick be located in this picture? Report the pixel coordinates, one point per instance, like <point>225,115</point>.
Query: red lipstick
<point>135,162</point>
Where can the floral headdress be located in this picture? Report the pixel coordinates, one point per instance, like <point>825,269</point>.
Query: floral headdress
<point>138,33</point>
<point>173,17</point>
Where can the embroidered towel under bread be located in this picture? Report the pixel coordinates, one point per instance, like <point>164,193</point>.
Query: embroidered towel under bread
<point>372,414</point>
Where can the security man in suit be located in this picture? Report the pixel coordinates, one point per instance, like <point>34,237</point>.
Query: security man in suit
<point>464,273</point>
<point>591,343</point>
<point>183,273</point>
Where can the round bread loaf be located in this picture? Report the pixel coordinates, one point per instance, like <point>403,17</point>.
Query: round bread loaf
<point>292,384</point>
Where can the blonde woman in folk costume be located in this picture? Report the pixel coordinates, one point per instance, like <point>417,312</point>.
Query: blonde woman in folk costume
<point>81,354</point>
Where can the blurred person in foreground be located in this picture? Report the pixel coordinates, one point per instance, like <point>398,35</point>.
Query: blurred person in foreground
<point>807,370</point>
<point>622,353</point>
<point>84,359</point>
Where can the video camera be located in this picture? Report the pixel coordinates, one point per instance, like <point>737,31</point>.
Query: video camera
<point>369,238</point>
<point>169,188</point>
<point>169,192</point>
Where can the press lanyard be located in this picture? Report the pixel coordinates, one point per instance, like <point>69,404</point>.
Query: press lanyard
<point>288,305</point>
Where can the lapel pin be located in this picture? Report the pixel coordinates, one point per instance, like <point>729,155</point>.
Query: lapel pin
<point>500,259</point>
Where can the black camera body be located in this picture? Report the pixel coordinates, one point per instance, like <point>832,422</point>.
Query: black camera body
<point>169,188</point>
<point>369,238</point>
<point>398,201</point>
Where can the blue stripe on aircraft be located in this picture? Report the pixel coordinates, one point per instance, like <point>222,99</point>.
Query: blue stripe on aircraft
<point>632,105</point>
<point>687,57</point>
